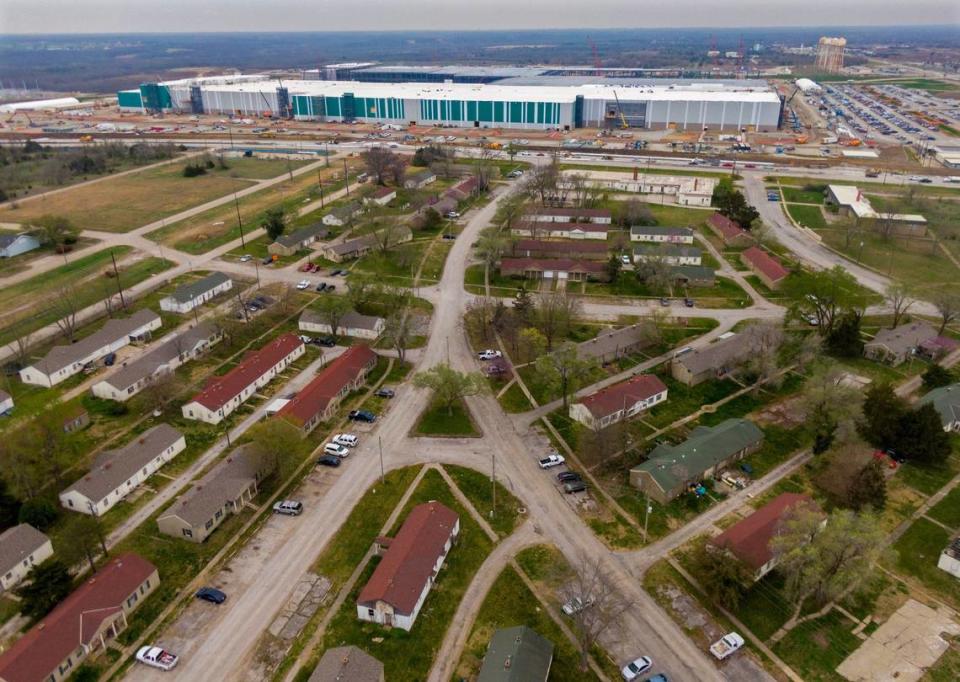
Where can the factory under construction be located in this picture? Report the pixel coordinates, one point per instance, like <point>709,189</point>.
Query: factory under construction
<point>479,97</point>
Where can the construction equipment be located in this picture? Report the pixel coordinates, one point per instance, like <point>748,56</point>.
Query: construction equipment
<point>623,119</point>
<point>872,173</point>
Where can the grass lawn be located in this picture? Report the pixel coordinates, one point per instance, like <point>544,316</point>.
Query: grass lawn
<point>398,265</point>
<point>947,510</point>
<point>499,285</point>
<point>514,400</point>
<point>815,648</point>
<point>509,603</point>
<point>929,479</point>
<point>437,420</point>
<point>258,249</point>
<point>409,655</point>
<point>131,201</point>
<point>476,486</point>
<point>683,400</point>
<point>918,550</point>
<point>809,216</point>
<point>797,195</point>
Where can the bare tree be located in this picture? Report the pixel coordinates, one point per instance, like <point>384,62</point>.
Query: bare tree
<point>555,313</point>
<point>490,246</point>
<point>542,182</point>
<point>399,331</point>
<point>379,162</point>
<point>389,235</point>
<point>162,389</point>
<point>66,306</point>
<point>948,305</point>
<point>900,298</point>
<point>20,346</point>
<point>398,170</point>
<point>596,603</point>
<point>332,309</point>
<point>286,295</point>
<point>483,169</point>
<point>564,370</point>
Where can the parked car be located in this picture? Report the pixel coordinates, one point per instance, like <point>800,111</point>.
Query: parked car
<point>452,215</point>
<point>576,605</point>
<point>156,657</point>
<point>385,393</point>
<point>325,341</point>
<point>267,260</point>
<point>306,339</point>
<point>246,258</point>
<point>689,302</point>
<point>288,507</point>
<point>489,354</point>
<point>636,668</point>
<point>303,284</point>
<point>329,461</point>
<point>449,235</point>
<point>552,460</point>
<point>211,594</point>
<point>896,456</point>
<point>574,487</point>
<point>659,677</point>
<point>363,416</point>
<point>331,288</point>
<point>566,476</point>
<point>321,286</point>
<point>625,259</point>
<point>347,440</point>
<point>336,450</point>
<point>665,302</point>
<point>306,267</point>
<point>109,359</point>
<point>726,646</point>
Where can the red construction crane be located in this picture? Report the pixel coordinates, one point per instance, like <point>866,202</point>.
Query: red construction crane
<point>597,64</point>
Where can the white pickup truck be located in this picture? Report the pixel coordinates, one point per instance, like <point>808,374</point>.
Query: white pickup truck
<point>726,645</point>
<point>156,657</point>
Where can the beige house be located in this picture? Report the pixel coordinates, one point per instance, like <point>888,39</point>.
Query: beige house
<point>21,548</point>
<point>289,244</point>
<point>352,324</point>
<point>893,346</point>
<point>716,360</point>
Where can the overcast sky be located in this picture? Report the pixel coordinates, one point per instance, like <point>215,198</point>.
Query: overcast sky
<point>107,16</point>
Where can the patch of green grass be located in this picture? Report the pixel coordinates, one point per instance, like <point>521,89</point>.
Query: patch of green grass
<point>947,667</point>
<point>8,608</point>
<point>947,510</point>
<point>514,401</point>
<point>540,562</point>
<point>928,479</point>
<point>476,486</point>
<point>808,216</point>
<point>763,608</point>
<point>798,195</point>
<point>778,444</point>
<point>814,649</point>
<point>437,420</point>
<point>918,551</point>
<point>683,400</point>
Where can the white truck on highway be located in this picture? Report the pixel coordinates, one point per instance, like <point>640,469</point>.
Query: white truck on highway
<point>156,657</point>
<point>726,645</point>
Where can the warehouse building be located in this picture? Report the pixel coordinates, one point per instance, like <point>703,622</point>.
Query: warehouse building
<point>533,102</point>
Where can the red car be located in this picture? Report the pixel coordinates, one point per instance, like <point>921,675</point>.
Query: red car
<point>881,456</point>
<point>306,267</point>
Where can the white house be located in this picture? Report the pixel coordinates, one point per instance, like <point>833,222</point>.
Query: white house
<point>194,294</point>
<point>351,324</point>
<point>14,244</point>
<point>117,473</point>
<point>684,190</point>
<point>21,548</point>
<point>420,180</point>
<point>6,402</point>
<point>620,401</point>
<point>341,215</point>
<point>543,229</point>
<point>226,393</point>
<point>133,377</point>
<point>381,196</point>
<point>600,216</point>
<point>949,560</point>
<point>62,362</point>
<point>670,254</point>
<point>661,235</point>
<point>411,563</point>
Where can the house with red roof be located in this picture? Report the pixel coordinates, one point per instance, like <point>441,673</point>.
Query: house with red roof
<point>319,399</point>
<point>399,585</point>
<point>226,393</point>
<point>381,196</point>
<point>768,268</point>
<point>749,540</point>
<point>730,232</point>
<point>620,401</point>
<point>82,624</point>
<point>554,269</point>
<point>579,249</point>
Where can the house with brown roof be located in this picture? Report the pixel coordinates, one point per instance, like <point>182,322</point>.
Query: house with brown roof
<point>289,244</point>
<point>224,490</point>
<point>420,179</point>
<point>117,473</point>
<point>749,539</point>
<point>21,548</point>
<point>318,400</point>
<point>613,344</point>
<point>578,249</point>
<point>399,585</point>
<point>716,360</point>
<point>729,232</point>
<point>893,346</point>
<point>554,268</point>
<point>361,246</point>
<point>545,229</point>
<point>82,624</point>
<point>352,324</point>
<point>618,402</point>
<point>381,196</point>
<point>226,393</point>
<point>765,266</point>
<point>600,216</point>
<point>347,664</point>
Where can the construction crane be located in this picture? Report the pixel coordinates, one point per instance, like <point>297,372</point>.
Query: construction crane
<point>268,113</point>
<point>597,64</point>
<point>289,112</point>
<point>623,119</point>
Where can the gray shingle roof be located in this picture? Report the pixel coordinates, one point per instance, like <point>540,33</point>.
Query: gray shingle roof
<point>722,353</point>
<point>346,210</point>
<point>190,291</point>
<point>656,230</point>
<point>18,543</point>
<point>517,654</point>
<point>347,664</point>
<point>614,340</point>
<point>147,365</point>
<point>669,250</point>
<point>113,467</point>
<point>351,320</point>
<point>693,271</point>
<point>297,237</point>
<point>946,401</point>
<point>904,338</point>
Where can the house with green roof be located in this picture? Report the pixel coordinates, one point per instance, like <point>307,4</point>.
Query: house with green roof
<point>517,654</point>
<point>946,401</point>
<point>670,469</point>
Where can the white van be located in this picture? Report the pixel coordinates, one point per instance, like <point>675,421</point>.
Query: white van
<point>336,450</point>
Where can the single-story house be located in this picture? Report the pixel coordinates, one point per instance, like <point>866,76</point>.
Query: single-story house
<point>618,402</point>
<point>442,205</point>
<point>361,246</point>
<point>226,393</point>
<point>117,473</point>
<point>661,235</point>
<point>14,244</point>
<point>347,664</point>
<point>401,581</point>
<point>765,266</point>
<point>671,254</point>
<point>82,624</point>
<point>687,190</point>
<point>381,196</point>
<point>21,548</point>
<point>716,360</point>
<point>671,469</point>
<point>75,419</point>
<point>62,362</point>
<point>466,187</point>
<point>935,348</point>
<point>132,377</point>
<point>851,201</point>
<point>946,401</point>
<point>554,268</point>
<point>289,244</point>
<point>612,344</point>
<point>189,296</point>
<point>420,179</point>
<point>749,539</point>
<point>693,275</point>
<point>341,215</point>
<point>893,346</point>
<point>6,402</point>
<point>729,232</point>
<point>949,560</point>
<point>600,216</point>
<point>318,400</point>
<point>544,229</point>
<point>517,654</point>
<point>351,324</point>
<point>224,490</point>
<point>580,249</point>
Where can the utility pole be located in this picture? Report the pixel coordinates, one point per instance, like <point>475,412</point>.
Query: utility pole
<point>646,516</point>
<point>320,183</point>
<point>242,306</point>
<point>380,443</point>
<point>256,267</point>
<point>493,483</point>
<point>346,177</point>
<point>236,203</point>
<point>116,274</point>
<point>326,154</point>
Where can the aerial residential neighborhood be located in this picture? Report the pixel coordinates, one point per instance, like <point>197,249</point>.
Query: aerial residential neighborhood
<point>402,342</point>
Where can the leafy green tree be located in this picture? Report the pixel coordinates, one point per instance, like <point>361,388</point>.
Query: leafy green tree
<point>523,306</point>
<point>882,410</point>
<point>843,341</point>
<point>48,584</point>
<point>54,230</point>
<point>274,442</point>
<point>732,203</point>
<point>829,405</point>
<point>613,268</point>
<point>490,245</point>
<point>868,489</point>
<point>564,370</point>
<point>274,222</point>
<point>449,386</point>
<point>82,539</point>
<point>920,436</point>
<point>431,220</point>
<point>824,296</point>
<point>332,309</point>
<point>936,376</point>
<point>723,576</point>
<point>9,507</point>
<point>531,344</point>
<point>39,512</point>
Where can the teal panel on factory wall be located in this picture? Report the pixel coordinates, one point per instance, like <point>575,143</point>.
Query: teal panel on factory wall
<point>531,112</point>
<point>456,111</point>
<point>485,114</point>
<point>333,106</point>
<point>516,112</point>
<point>472,111</point>
<point>129,98</point>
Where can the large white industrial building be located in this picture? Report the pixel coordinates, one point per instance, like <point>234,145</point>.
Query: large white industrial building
<point>539,103</point>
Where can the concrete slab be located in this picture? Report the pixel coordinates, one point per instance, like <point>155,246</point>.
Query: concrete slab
<point>902,648</point>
